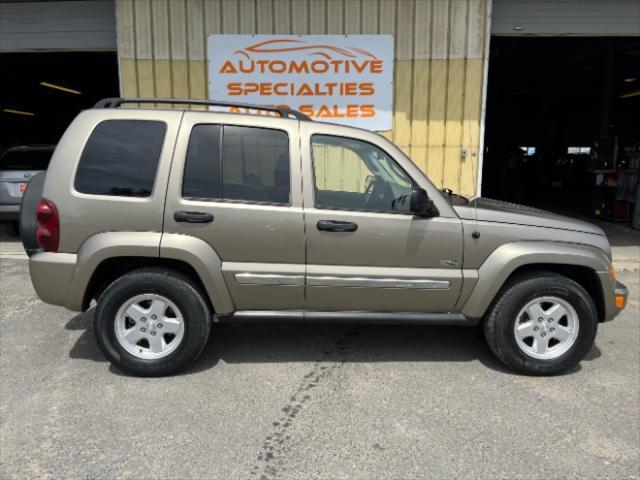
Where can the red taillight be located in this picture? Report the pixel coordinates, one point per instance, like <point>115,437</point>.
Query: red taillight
<point>48,225</point>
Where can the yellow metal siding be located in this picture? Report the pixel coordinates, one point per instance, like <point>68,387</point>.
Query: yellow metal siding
<point>439,61</point>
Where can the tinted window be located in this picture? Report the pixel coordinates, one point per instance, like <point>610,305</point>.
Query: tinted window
<point>36,159</point>
<point>121,158</point>
<point>354,175</point>
<point>255,164</point>
<point>202,168</point>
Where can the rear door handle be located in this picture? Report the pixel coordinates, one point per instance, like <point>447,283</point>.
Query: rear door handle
<point>336,226</point>
<point>192,217</point>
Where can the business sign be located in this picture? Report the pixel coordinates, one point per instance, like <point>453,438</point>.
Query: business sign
<point>345,79</point>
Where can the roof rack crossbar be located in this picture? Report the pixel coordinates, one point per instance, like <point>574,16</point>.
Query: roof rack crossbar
<point>283,112</point>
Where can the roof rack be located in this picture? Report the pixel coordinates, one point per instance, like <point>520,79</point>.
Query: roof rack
<point>284,112</point>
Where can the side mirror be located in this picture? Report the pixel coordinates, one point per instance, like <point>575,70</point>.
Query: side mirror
<point>422,205</point>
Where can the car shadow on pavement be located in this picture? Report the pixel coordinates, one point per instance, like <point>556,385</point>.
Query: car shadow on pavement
<point>282,343</point>
<point>86,347</point>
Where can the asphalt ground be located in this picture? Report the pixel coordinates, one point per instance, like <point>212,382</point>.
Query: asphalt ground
<point>310,401</point>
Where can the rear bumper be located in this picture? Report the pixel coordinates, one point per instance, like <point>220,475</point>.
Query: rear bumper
<point>10,212</point>
<point>51,275</point>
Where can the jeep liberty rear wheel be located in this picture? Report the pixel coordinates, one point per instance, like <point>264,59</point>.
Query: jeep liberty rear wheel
<point>542,324</point>
<point>152,322</point>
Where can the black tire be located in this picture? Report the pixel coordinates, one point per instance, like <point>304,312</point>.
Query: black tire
<point>175,287</point>
<point>500,321</point>
<point>11,228</point>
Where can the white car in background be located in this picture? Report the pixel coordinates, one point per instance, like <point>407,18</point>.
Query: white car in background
<point>17,166</point>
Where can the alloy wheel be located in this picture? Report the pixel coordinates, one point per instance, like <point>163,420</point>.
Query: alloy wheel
<point>546,328</point>
<point>149,326</point>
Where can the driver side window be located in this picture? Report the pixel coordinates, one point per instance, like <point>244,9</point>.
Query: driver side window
<point>355,175</point>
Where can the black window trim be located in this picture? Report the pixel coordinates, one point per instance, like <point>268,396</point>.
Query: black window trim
<point>313,174</point>
<point>125,197</point>
<point>289,204</point>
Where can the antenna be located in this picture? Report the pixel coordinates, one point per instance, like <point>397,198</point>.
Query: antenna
<point>476,233</point>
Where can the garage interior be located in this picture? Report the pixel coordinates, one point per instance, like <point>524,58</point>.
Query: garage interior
<point>562,124</point>
<point>56,59</point>
<point>43,92</point>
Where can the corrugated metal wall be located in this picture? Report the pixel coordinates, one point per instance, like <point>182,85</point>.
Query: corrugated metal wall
<point>88,25</point>
<point>440,48</point>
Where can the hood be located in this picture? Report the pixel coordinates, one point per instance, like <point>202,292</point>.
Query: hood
<point>503,212</point>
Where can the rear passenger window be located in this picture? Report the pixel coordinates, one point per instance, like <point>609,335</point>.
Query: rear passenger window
<point>202,168</point>
<point>254,168</point>
<point>121,158</point>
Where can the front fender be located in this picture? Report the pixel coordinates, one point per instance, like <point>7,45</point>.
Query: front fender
<point>504,260</point>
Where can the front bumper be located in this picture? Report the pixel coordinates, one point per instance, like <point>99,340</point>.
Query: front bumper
<point>614,296</point>
<point>621,295</point>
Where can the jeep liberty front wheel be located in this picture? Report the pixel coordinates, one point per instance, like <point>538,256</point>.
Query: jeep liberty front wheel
<point>542,324</point>
<point>152,322</point>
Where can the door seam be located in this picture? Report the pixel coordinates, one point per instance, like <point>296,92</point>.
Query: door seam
<point>169,177</point>
<point>304,216</point>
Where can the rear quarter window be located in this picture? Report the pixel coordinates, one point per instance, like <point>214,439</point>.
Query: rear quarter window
<point>121,158</point>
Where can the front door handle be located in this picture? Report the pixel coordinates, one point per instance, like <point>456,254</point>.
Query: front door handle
<point>192,217</point>
<point>336,226</point>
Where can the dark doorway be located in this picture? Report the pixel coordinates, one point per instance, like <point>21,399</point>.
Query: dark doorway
<point>33,113</point>
<point>557,108</point>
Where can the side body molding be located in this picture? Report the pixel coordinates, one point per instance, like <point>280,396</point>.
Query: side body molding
<point>205,261</point>
<point>508,257</point>
<point>103,246</point>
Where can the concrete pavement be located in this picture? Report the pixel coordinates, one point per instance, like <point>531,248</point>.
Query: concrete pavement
<point>625,245</point>
<point>310,401</point>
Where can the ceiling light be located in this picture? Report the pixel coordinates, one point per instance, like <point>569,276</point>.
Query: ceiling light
<point>61,88</point>
<point>631,94</point>
<point>18,112</point>
<point>629,80</point>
